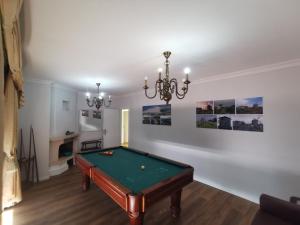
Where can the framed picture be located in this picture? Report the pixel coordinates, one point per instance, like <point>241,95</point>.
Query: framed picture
<point>85,113</point>
<point>96,114</point>
<point>157,115</point>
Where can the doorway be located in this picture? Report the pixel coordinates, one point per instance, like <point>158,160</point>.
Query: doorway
<point>125,127</point>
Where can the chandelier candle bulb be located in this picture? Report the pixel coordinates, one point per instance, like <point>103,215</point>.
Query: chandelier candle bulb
<point>146,79</point>
<point>88,95</point>
<point>187,71</point>
<point>159,73</point>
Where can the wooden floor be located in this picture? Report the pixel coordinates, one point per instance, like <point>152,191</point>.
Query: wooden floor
<point>60,201</point>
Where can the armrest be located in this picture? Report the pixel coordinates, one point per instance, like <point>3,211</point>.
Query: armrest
<point>279,208</point>
<point>295,200</point>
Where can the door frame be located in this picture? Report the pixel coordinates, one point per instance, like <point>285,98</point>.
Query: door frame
<point>122,130</point>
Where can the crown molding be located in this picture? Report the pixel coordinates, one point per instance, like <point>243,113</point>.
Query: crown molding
<point>217,77</point>
<point>63,87</point>
<point>49,82</point>
<point>241,73</point>
<point>132,93</point>
<point>38,81</point>
<point>251,71</point>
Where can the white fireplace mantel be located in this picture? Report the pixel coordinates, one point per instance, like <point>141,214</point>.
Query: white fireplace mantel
<point>58,165</point>
<point>62,138</point>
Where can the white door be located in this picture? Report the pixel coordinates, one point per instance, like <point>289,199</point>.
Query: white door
<point>111,128</point>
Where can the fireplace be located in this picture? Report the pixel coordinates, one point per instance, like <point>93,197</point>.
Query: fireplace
<point>62,150</point>
<point>66,149</point>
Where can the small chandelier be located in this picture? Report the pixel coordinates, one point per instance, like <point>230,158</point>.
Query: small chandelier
<point>98,101</point>
<point>166,86</point>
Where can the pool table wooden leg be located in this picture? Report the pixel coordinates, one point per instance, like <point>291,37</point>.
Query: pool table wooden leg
<point>136,218</point>
<point>175,203</point>
<point>85,183</point>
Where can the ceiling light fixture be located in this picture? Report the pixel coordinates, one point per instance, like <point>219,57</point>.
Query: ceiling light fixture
<point>99,101</point>
<point>166,86</point>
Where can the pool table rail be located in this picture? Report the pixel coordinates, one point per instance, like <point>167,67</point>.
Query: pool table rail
<point>180,164</point>
<point>139,152</point>
<point>111,187</point>
<point>106,183</point>
<point>84,165</point>
<point>166,187</point>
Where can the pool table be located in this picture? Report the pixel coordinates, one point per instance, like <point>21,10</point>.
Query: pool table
<point>135,180</point>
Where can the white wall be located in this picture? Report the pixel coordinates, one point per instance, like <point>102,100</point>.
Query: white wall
<point>62,120</point>
<point>244,163</point>
<point>36,112</point>
<point>82,105</point>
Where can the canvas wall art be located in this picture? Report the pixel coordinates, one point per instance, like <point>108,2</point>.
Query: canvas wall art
<point>206,121</point>
<point>225,122</point>
<point>249,105</point>
<point>157,115</point>
<point>205,107</point>
<point>224,106</point>
<point>248,123</point>
<point>243,114</point>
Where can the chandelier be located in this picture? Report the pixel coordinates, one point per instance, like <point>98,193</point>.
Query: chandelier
<point>166,86</point>
<point>99,101</point>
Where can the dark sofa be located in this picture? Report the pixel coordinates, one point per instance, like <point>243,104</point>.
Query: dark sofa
<point>274,211</point>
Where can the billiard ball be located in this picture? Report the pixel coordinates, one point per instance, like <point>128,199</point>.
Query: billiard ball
<point>142,167</point>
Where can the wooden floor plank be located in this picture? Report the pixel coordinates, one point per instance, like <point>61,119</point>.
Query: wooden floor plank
<point>60,201</point>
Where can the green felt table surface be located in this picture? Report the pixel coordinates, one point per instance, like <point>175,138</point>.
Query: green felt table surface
<point>125,167</point>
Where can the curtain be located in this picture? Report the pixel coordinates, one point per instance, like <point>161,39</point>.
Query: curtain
<point>10,11</point>
<point>1,117</point>
<point>13,99</point>
<point>11,173</point>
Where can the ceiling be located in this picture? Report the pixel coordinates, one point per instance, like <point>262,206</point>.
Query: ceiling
<point>118,42</point>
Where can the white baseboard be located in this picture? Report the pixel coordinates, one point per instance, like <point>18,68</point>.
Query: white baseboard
<point>58,169</point>
<point>226,189</point>
<point>44,178</point>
